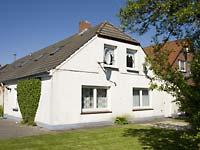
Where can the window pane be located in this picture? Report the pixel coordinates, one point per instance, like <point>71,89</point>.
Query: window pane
<point>129,61</point>
<point>182,65</point>
<point>109,56</point>
<point>145,97</point>
<point>87,98</point>
<point>101,98</point>
<point>136,97</point>
<point>130,58</point>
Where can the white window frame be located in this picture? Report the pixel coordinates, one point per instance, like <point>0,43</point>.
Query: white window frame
<point>112,48</point>
<point>141,97</point>
<point>179,65</point>
<point>134,53</point>
<point>95,109</point>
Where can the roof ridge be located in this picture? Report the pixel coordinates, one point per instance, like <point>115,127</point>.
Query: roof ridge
<point>101,25</point>
<point>172,41</point>
<point>122,31</point>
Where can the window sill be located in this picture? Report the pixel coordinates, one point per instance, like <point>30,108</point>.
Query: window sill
<point>183,71</point>
<point>134,70</point>
<point>110,67</point>
<point>95,112</point>
<point>142,109</point>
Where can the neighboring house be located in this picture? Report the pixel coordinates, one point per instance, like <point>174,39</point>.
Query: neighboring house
<point>89,78</point>
<point>180,55</point>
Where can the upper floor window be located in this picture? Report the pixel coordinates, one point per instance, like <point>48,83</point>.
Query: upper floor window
<point>109,55</point>
<point>141,98</point>
<point>130,58</point>
<point>182,65</point>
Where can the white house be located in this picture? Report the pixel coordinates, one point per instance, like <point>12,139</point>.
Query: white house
<point>89,78</point>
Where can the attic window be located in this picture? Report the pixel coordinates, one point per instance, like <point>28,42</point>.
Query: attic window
<point>130,58</point>
<point>56,50</point>
<point>22,64</point>
<point>182,65</point>
<point>109,57</point>
<point>37,58</point>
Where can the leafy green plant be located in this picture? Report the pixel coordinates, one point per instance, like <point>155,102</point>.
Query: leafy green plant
<point>121,120</point>
<point>28,95</point>
<point>1,111</point>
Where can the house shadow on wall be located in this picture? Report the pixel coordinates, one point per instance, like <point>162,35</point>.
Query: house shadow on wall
<point>164,139</point>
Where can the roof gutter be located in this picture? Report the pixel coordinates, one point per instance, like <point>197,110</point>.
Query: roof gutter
<point>120,40</point>
<point>42,74</point>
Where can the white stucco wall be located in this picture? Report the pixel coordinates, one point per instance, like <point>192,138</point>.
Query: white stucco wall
<point>1,96</point>
<point>11,107</point>
<point>83,69</point>
<point>43,111</point>
<point>44,108</point>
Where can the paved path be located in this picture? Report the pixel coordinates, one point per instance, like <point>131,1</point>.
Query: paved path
<point>12,129</point>
<point>168,123</point>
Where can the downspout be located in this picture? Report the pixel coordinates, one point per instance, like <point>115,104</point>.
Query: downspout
<point>105,72</point>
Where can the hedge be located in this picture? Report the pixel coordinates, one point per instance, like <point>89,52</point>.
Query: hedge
<point>1,111</point>
<point>28,96</point>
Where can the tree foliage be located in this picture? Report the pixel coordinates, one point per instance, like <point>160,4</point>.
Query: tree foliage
<point>179,19</point>
<point>28,96</point>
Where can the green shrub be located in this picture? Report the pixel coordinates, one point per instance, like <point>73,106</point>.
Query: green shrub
<point>1,111</point>
<point>28,95</point>
<point>195,119</point>
<point>121,120</point>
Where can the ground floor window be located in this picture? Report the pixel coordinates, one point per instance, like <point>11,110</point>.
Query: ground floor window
<point>94,98</point>
<point>141,97</point>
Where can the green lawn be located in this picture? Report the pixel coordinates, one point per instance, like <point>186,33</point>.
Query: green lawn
<point>128,137</point>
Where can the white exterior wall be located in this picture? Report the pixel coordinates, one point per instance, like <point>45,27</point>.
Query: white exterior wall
<point>1,96</point>
<point>43,112</point>
<point>83,69</point>
<point>10,102</point>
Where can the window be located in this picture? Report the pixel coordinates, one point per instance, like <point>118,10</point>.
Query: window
<point>136,98</point>
<point>141,98</point>
<point>94,99</point>
<point>56,50</point>
<point>109,57</point>
<point>182,65</point>
<point>88,101</point>
<point>101,98</point>
<point>130,58</point>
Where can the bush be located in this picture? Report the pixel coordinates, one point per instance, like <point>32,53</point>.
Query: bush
<point>1,111</point>
<point>28,96</point>
<point>121,120</point>
<point>195,121</point>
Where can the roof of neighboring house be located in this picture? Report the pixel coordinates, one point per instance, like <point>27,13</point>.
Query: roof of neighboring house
<point>175,48</point>
<point>50,57</point>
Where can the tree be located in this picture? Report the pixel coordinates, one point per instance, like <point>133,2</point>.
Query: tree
<point>178,19</point>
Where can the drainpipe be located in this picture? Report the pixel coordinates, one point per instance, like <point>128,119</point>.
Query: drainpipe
<point>3,98</point>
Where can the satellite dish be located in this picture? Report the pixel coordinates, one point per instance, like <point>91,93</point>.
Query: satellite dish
<point>108,58</point>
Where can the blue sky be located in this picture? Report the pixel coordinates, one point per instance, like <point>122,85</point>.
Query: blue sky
<point>29,25</point>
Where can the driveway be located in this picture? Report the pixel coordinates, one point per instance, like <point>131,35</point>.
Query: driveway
<point>13,129</point>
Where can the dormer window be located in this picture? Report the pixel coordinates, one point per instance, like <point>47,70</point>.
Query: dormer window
<point>109,56</point>
<point>182,65</point>
<point>130,58</point>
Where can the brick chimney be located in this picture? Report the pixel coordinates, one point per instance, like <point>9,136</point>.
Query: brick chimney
<point>83,25</point>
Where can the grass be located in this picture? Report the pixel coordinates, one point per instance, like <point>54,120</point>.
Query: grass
<point>127,137</point>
